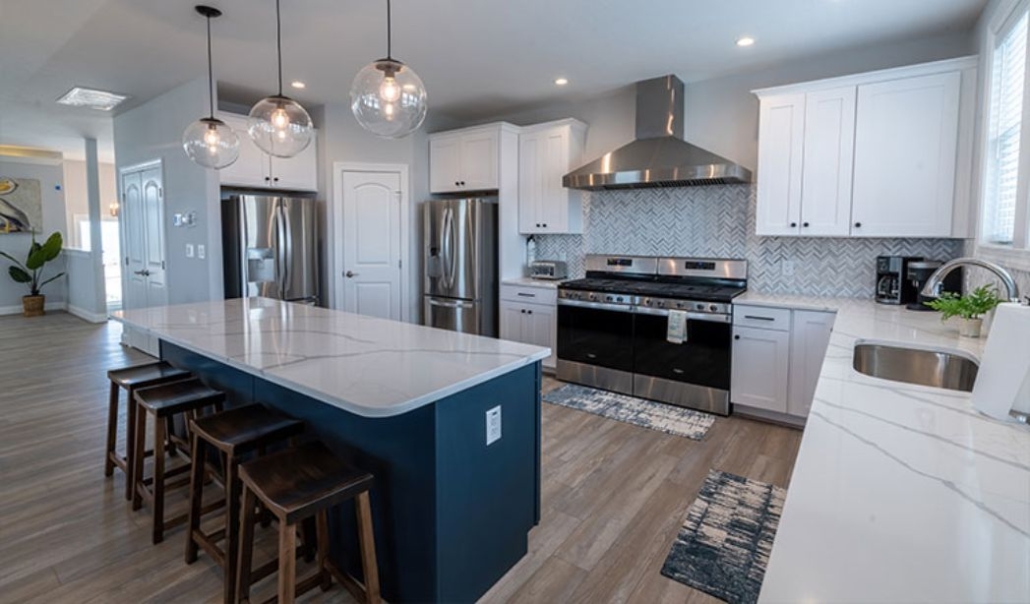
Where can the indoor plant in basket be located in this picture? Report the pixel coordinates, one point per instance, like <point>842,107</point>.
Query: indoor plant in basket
<point>970,308</point>
<point>32,272</point>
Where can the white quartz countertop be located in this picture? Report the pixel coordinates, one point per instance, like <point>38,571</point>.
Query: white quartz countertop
<point>900,493</point>
<point>367,366</point>
<point>531,282</point>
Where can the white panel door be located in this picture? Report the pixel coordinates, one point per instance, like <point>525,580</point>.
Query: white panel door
<point>445,164</point>
<point>781,132</point>
<point>828,162</point>
<point>906,141</point>
<point>132,217</point>
<point>154,222</point>
<point>479,161</point>
<point>759,373</point>
<point>809,339</point>
<point>371,267</point>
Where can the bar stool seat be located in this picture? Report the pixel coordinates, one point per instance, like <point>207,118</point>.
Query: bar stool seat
<point>164,402</point>
<point>131,379</point>
<point>234,433</point>
<point>294,485</point>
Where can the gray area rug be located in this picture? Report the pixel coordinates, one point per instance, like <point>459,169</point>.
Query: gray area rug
<point>723,546</point>
<point>637,411</point>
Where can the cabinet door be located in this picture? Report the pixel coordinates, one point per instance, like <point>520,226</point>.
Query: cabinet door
<point>828,162</point>
<point>554,202</point>
<point>781,132</point>
<point>479,161</point>
<point>760,365</point>
<point>511,321</point>
<point>531,182</point>
<point>539,328</point>
<point>808,342</point>
<point>251,168</point>
<point>298,173</point>
<point>905,144</point>
<point>445,164</point>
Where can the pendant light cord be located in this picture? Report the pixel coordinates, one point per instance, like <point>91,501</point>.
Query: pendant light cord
<point>279,43</point>
<point>210,72</point>
<point>389,32</point>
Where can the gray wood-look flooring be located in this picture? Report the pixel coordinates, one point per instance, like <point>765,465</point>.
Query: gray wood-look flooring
<point>613,494</point>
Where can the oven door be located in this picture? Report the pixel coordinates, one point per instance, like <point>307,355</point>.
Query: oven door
<point>693,374</point>
<point>595,345</point>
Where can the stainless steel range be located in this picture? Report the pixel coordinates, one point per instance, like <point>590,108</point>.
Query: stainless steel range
<point>657,328</point>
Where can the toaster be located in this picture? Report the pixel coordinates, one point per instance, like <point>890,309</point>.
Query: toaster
<point>548,269</point>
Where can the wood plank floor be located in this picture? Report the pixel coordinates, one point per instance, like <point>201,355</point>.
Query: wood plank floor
<point>614,494</point>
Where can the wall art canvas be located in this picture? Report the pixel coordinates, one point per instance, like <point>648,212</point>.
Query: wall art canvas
<point>21,205</point>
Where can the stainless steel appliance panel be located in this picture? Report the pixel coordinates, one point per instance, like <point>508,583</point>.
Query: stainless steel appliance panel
<point>712,400</point>
<point>594,376</point>
<point>455,315</point>
<point>299,250</point>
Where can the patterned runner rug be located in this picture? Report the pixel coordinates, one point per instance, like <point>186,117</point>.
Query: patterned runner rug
<point>637,411</point>
<point>723,546</point>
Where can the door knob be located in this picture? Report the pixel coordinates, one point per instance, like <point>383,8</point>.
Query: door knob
<point>350,274</point>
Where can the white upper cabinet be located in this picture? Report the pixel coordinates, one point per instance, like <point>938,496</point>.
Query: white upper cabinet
<point>546,153</point>
<point>905,151</point>
<point>464,160</point>
<point>255,168</point>
<point>880,154</point>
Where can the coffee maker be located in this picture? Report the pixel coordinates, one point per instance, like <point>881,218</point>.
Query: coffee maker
<point>892,283</point>
<point>919,273</point>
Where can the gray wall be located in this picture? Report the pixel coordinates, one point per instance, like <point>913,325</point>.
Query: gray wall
<point>51,184</point>
<point>76,197</point>
<point>82,285</point>
<point>154,131</point>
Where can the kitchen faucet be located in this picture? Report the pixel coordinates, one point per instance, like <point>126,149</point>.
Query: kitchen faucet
<point>932,289</point>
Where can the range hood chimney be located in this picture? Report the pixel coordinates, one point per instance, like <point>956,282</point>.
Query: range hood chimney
<point>659,157</point>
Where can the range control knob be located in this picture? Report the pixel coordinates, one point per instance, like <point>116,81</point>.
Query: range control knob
<point>618,299</point>
<point>661,304</point>
<point>679,305</point>
<point>714,308</point>
<point>699,306</point>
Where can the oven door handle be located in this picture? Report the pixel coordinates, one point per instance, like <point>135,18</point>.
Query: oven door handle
<point>595,305</point>
<point>693,316</point>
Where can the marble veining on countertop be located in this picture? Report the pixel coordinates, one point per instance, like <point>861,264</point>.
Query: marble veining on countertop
<point>900,493</point>
<point>368,366</point>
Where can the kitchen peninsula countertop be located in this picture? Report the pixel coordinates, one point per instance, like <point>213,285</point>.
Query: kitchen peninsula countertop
<point>900,493</point>
<point>367,366</point>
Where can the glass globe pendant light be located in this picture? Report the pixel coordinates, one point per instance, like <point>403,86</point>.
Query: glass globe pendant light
<point>387,97</point>
<point>279,125</point>
<point>209,141</point>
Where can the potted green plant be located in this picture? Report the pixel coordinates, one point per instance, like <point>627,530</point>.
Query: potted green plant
<point>32,272</point>
<point>970,308</point>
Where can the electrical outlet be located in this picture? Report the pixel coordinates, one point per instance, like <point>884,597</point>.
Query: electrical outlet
<point>787,268</point>
<point>189,250</point>
<point>201,251</point>
<point>493,425</point>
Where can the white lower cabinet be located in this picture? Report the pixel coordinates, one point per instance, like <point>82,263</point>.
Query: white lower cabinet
<point>530,324</point>
<point>777,357</point>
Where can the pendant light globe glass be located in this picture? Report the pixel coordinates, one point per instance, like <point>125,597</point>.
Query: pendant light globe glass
<point>388,99</point>
<point>280,126</point>
<point>211,143</point>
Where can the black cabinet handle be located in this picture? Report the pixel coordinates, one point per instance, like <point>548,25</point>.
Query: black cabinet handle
<point>756,318</point>
<point>736,337</point>
<point>858,225</point>
<point>276,179</point>
<point>525,295</point>
<point>793,225</point>
<point>804,224</point>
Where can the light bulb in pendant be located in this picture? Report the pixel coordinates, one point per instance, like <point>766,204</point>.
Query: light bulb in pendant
<point>388,110</point>
<point>389,91</point>
<point>280,119</point>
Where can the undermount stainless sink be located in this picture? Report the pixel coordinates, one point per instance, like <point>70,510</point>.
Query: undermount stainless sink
<point>915,366</point>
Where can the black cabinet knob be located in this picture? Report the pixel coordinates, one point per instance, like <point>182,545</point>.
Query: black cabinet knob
<point>545,225</point>
<point>276,179</point>
<point>804,224</point>
<point>267,179</point>
<point>736,337</point>
<point>529,311</point>
<point>463,183</point>
<point>793,225</point>
<point>858,225</point>
<point>456,183</point>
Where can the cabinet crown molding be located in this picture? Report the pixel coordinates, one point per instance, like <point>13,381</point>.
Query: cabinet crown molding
<point>868,77</point>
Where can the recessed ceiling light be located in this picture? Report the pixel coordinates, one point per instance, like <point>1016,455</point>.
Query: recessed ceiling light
<point>298,84</point>
<point>745,41</point>
<point>93,99</point>
<point>561,81</point>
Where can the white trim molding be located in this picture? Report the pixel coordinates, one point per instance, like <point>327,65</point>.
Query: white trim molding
<point>85,315</point>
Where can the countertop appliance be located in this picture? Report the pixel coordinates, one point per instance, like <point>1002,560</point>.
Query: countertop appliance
<point>548,269</point>
<point>269,247</point>
<point>892,283</point>
<point>659,157</point>
<point>614,328</point>
<point>460,265</point>
<point>919,273</point>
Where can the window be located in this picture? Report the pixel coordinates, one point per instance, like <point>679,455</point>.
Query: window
<point>1007,93</point>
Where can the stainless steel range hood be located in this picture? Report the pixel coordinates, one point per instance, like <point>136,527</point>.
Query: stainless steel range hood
<point>659,157</point>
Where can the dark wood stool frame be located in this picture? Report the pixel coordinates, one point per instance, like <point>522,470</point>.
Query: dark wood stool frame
<point>233,433</point>
<point>166,373</point>
<point>354,486</point>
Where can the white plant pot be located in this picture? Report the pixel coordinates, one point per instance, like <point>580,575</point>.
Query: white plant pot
<point>970,328</point>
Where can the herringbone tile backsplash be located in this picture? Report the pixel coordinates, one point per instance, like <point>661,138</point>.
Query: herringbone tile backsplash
<point>719,221</point>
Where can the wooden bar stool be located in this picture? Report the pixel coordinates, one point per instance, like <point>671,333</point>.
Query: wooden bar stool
<point>234,433</point>
<point>131,379</point>
<point>296,484</point>
<point>164,402</point>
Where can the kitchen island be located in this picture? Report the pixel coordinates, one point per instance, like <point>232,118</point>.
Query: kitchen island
<point>900,492</point>
<point>406,402</point>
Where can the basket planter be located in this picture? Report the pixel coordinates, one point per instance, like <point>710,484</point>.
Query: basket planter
<point>32,306</point>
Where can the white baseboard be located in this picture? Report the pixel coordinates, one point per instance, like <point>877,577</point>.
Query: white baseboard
<point>85,315</point>
<point>17,310</point>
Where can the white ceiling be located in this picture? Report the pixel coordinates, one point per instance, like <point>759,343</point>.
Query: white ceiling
<point>477,57</point>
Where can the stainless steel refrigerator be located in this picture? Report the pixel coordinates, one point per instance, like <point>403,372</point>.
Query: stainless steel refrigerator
<point>270,247</point>
<point>460,265</point>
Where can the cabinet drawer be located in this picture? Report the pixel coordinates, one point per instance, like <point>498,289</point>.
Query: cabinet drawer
<point>530,295</point>
<point>762,317</point>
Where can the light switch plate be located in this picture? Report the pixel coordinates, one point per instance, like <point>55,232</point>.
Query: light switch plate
<point>201,251</point>
<point>189,250</point>
<point>493,425</point>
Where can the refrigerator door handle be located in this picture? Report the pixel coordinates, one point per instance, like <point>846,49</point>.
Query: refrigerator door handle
<point>447,248</point>
<point>286,253</point>
<point>450,303</point>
